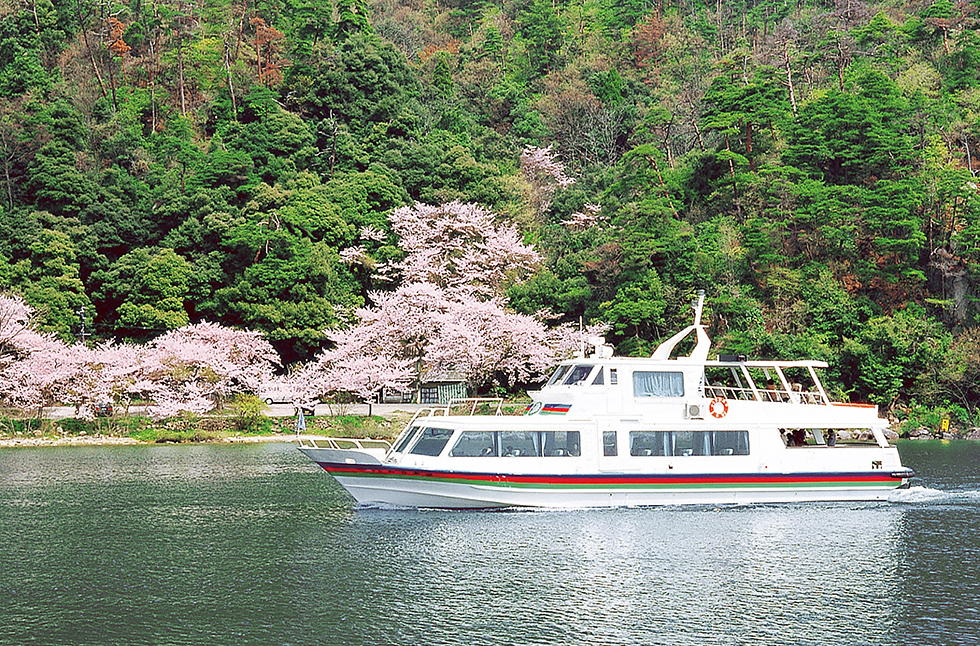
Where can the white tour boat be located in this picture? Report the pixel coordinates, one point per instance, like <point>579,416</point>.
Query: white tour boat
<point>612,431</point>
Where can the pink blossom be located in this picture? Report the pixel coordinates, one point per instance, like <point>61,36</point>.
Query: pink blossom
<point>353,255</point>
<point>584,219</point>
<point>196,366</point>
<point>460,248</point>
<point>421,327</point>
<point>545,174</point>
<point>15,317</point>
<point>372,233</point>
<point>540,165</point>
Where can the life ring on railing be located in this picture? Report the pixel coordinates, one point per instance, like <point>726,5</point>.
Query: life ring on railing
<point>718,407</point>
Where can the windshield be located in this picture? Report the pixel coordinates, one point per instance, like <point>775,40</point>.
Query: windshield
<point>578,375</point>
<point>559,373</point>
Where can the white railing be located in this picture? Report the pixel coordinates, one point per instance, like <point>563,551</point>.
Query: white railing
<point>494,404</point>
<point>765,394</point>
<point>475,406</point>
<point>362,444</point>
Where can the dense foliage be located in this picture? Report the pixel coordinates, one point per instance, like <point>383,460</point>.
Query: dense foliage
<point>811,165</point>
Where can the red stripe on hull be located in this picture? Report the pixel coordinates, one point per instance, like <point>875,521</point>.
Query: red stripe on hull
<point>368,470</point>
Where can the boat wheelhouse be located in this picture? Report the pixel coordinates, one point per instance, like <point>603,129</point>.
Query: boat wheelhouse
<point>626,431</point>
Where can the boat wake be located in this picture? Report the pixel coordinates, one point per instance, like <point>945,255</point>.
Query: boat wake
<point>918,495</point>
<point>381,506</point>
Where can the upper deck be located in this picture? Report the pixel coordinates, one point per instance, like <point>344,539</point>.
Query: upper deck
<point>724,391</point>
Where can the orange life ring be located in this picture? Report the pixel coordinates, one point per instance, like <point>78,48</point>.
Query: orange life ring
<point>718,407</point>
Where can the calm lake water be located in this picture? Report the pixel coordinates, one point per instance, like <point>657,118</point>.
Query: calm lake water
<point>215,545</point>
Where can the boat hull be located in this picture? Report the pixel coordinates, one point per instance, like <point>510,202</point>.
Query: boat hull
<point>382,484</point>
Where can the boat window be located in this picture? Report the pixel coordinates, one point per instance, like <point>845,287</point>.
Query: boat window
<point>613,377</point>
<point>729,443</point>
<point>405,438</point>
<point>578,375</point>
<point>519,444</point>
<point>691,443</point>
<point>561,443</point>
<point>609,447</point>
<point>432,441</point>
<point>658,384</point>
<point>559,373</point>
<point>650,443</point>
<point>684,443</point>
<point>472,444</point>
<point>598,378</point>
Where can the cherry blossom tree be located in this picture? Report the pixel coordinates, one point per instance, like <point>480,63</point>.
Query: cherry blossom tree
<point>483,340</point>
<point>422,327</point>
<point>42,372</point>
<point>116,373</point>
<point>336,373</point>
<point>47,372</point>
<point>188,369</point>
<point>461,248</point>
<point>546,174</point>
<point>15,319</point>
<point>449,313</point>
<point>584,219</point>
<point>36,369</point>
<point>194,367</point>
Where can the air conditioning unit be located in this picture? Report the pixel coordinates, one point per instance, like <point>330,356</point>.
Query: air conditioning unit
<point>695,411</point>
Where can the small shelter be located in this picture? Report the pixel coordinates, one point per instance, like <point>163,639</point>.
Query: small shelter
<point>438,387</point>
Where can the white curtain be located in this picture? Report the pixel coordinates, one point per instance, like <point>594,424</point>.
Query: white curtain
<point>658,384</point>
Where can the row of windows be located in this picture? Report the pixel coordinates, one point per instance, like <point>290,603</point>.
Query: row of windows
<point>472,444</point>
<point>475,444</point>
<point>680,443</point>
<point>576,375</point>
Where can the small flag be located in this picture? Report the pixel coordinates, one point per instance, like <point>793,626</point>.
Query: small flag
<point>300,420</point>
<point>555,409</point>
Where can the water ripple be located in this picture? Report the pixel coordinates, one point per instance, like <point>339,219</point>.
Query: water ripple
<point>213,546</point>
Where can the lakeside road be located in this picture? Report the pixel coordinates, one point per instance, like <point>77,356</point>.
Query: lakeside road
<point>55,413</point>
<point>273,410</point>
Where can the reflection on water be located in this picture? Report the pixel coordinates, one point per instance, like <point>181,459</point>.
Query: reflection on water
<point>677,576</point>
<point>253,544</point>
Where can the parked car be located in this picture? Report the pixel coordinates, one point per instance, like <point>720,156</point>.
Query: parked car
<point>103,410</point>
<point>275,396</point>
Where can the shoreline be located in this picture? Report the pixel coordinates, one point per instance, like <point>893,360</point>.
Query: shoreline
<point>114,440</point>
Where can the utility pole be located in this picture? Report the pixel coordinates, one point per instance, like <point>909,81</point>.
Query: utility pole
<point>81,314</point>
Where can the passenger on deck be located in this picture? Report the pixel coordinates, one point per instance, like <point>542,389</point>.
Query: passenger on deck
<point>771,393</point>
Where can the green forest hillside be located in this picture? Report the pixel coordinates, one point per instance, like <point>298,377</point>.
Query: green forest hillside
<point>811,165</point>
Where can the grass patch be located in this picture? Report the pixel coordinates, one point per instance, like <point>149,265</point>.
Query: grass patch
<point>12,427</point>
<point>372,427</point>
<point>197,428</point>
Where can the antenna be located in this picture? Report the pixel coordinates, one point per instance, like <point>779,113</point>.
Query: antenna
<point>699,307</point>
